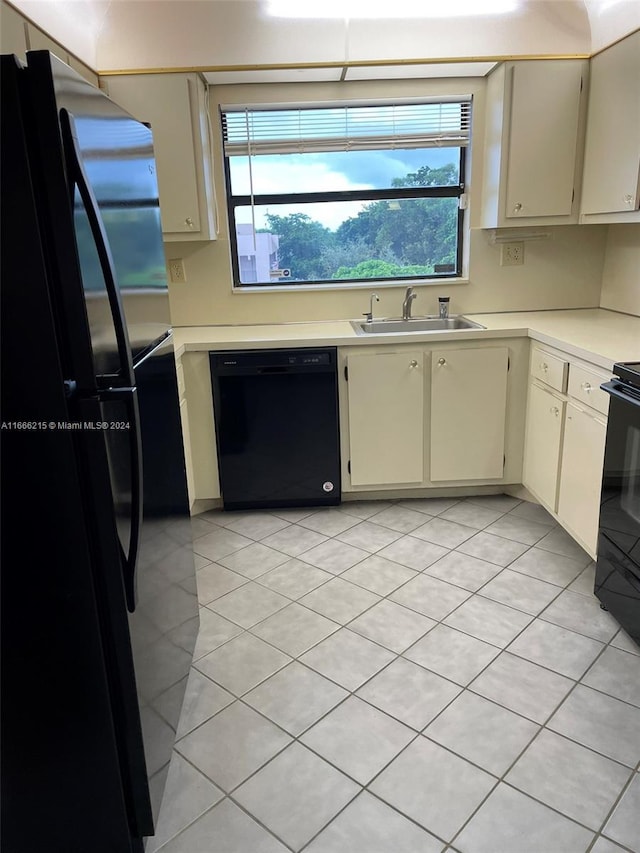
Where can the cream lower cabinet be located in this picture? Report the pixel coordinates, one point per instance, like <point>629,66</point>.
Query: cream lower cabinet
<point>545,418</point>
<point>468,411</point>
<point>198,428</point>
<point>565,439</point>
<point>386,417</point>
<point>432,416</point>
<point>581,474</point>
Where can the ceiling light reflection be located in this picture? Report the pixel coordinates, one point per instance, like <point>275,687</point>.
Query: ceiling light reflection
<point>385,9</point>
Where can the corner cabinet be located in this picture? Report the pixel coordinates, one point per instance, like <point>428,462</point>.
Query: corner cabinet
<point>535,113</point>
<point>423,416</point>
<point>565,440</point>
<point>175,105</point>
<point>611,180</point>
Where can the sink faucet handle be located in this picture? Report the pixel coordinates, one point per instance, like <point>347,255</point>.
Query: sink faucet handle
<point>406,305</point>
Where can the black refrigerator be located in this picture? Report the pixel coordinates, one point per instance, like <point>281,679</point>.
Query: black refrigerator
<point>99,610</point>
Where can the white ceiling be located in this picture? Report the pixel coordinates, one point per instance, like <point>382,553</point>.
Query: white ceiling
<point>240,38</point>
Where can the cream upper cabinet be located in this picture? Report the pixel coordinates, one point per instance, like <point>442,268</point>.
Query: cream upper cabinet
<point>175,107</point>
<point>468,408</point>
<point>13,34</point>
<point>545,416</point>
<point>386,417</point>
<point>37,40</point>
<point>611,181</point>
<point>533,153</point>
<point>581,474</point>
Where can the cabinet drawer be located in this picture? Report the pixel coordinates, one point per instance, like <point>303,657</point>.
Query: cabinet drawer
<point>584,385</point>
<point>549,369</point>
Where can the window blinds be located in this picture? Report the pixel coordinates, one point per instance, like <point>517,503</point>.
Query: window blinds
<point>300,129</point>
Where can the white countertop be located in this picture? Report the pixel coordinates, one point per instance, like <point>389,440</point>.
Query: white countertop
<point>594,334</point>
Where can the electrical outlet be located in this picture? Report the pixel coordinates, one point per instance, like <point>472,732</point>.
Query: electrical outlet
<point>512,254</point>
<point>177,274</point>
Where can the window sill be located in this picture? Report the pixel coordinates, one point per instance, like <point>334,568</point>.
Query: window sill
<point>360,285</point>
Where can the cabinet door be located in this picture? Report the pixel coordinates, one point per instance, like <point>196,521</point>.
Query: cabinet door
<point>545,108</point>
<point>468,407</point>
<point>612,154</point>
<point>170,104</point>
<point>13,36</point>
<point>581,475</point>
<point>386,418</point>
<point>542,445</point>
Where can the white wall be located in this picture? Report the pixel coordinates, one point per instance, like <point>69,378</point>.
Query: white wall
<point>610,20</point>
<point>563,272</point>
<point>621,273</point>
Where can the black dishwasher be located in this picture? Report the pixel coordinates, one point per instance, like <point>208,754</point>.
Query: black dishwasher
<point>276,415</point>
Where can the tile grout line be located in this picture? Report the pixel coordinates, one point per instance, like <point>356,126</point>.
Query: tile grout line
<point>394,659</point>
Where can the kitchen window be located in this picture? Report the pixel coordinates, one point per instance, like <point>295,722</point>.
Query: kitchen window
<point>345,194</point>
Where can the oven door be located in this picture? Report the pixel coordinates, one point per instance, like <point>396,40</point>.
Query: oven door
<point>618,567</point>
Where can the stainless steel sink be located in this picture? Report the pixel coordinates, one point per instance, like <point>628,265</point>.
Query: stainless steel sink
<point>417,324</point>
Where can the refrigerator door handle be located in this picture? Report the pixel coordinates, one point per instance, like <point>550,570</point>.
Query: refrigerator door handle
<point>78,175</point>
<point>129,396</point>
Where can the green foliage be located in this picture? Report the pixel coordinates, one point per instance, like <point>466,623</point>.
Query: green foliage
<point>386,239</point>
<point>445,176</point>
<point>302,241</point>
<point>347,253</point>
<point>380,269</point>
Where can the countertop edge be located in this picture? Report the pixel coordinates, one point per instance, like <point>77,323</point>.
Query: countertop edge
<point>340,333</point>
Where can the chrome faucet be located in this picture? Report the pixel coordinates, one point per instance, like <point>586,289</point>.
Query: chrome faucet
<point>443,307</point>
<point>406,305</point>
<point>369,316</point>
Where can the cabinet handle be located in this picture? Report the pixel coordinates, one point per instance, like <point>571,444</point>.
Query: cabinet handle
<point>628,198</point>
<point>189,222</point>
<point>413,363</point>
<point>442,362</point>
<point>517,208</point>
<point>544,366</point>
<point>586,386</point>
<point>554,410</point>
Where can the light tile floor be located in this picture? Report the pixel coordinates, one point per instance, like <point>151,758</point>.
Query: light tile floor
<point>403,677</point>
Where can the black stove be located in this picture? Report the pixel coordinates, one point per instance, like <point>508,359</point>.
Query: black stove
<point>628,372</point>
<point>617,583</point>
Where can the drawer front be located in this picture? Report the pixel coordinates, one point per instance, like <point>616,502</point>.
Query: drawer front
<point>584,385</point>
<point>549,369</point>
